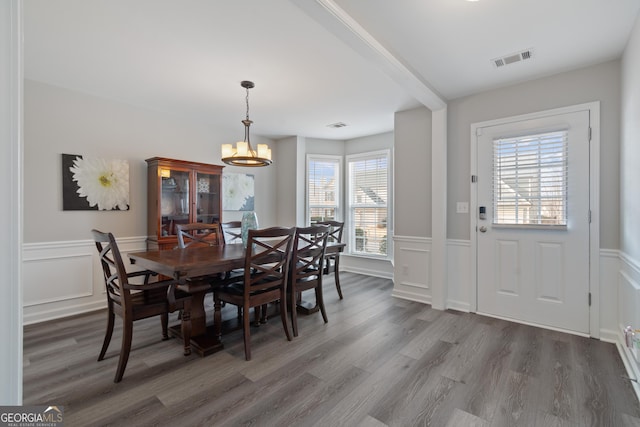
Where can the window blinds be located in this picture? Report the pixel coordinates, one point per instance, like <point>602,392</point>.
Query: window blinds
<point>368,198</point>
<point>322,188</point>
<point>530,179</point>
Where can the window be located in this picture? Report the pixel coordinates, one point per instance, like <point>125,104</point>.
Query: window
<point>323,188</point>
<point>530,180</point>
<point>368,198</point>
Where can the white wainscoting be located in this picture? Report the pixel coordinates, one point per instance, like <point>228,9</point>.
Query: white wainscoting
<point>367,266</point>
<point>412,274</point>
<point>608,286</point>
<point>62,279</point>
<point>412,271</point>
<point>65,278</point>
<point>412,268</point>
<point>629,313</point>
<point>458,275</point>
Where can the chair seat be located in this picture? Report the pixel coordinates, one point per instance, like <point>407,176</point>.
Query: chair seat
<point>150,296</point>
<point>238,289</point>
<point>153,302</point>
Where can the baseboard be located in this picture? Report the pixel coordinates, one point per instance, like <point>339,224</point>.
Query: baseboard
<point>367,272</point>
<point>630,365</point>
<point>411,296</point>
<point>607,335</point>
<point>459,306</point>
<point>58,313</point>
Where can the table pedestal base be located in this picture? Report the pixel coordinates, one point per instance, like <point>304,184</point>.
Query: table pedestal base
<point>204,344</point>
<point>306,307</point>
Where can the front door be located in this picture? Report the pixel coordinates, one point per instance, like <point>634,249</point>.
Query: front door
<point>533,221</point>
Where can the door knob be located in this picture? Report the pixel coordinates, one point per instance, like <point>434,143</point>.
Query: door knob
<point>483,229</point>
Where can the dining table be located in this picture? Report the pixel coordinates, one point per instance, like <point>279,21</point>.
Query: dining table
<point>187,266</point>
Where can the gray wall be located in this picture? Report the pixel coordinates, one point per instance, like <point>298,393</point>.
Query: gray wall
<point>412,181</point>
<point>61,121</point>
<point>597,83</point>
<point>11,209</point>
<point>287,189</point>
<point>630,148</point>
<point>325,146</point>
<point>381,141</point>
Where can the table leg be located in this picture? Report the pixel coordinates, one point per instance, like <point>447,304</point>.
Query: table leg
<point>204,339</point>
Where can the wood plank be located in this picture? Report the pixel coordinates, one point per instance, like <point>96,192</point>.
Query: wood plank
<point>379,361</point>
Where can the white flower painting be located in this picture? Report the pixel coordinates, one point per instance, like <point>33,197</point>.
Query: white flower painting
<point>237,192</point>
<point>94,183</point>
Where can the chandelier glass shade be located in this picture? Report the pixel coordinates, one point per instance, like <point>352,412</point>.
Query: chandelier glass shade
<point>243,154</point>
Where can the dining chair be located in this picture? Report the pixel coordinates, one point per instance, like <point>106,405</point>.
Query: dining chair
<point>133,302</point>
<point>232,232</point>
<point>266,271</point>
<point>307,262</point>
<point>332,261</point>
<point>199,234</point>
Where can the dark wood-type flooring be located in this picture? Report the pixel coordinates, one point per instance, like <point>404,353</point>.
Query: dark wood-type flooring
<point>380,361</point>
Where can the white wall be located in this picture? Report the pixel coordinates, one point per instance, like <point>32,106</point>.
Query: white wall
<point>630,149</point>
<point>58,121</point>
<point>11,208</point>
<point>629,276</point>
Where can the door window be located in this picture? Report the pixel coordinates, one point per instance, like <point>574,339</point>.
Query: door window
<point>530,180</point>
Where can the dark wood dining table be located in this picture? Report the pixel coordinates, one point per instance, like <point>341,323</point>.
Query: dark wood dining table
<point>193,263</point>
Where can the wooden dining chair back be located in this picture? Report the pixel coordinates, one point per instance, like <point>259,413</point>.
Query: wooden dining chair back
<point>266,271</point>
<point>133,302</point>
<point>232,232</point>
<point>307,264</point>
<point>332,261</point>
<point>199,234</point>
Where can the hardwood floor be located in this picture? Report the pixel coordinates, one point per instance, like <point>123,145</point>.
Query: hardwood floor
<point>380,361</point>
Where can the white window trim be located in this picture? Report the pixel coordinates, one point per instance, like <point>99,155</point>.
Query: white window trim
<point>339,198</point>
<point>347,204</point>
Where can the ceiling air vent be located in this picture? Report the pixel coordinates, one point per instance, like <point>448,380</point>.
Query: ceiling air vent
<point>512,58</point>
<point>337,125</point>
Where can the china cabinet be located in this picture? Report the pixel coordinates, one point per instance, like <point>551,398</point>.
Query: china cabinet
<point>180,192</point>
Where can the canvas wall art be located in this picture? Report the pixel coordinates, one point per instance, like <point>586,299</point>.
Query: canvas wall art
<point>91,183</point>
<point>237,192</point>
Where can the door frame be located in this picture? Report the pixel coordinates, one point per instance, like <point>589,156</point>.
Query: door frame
<point>594,203</point>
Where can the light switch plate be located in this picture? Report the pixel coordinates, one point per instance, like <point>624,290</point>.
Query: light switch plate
<point>462,207</point>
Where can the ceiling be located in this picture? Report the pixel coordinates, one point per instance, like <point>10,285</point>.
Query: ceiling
<point>314,62</point>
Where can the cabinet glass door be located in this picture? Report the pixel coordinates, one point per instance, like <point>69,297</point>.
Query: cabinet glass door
<point>174,200</point>
<point>208,198</point>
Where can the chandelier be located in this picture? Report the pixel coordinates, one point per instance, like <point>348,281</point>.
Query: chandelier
<point>243,153</point>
